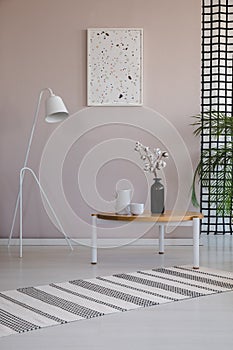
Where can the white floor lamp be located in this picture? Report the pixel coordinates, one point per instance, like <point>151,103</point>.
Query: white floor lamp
<point>55,112</point>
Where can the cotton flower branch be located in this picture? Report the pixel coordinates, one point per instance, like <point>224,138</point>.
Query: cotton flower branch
<point>153,160</point>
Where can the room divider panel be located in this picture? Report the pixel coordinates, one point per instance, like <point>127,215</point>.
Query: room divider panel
<point>216,94</point>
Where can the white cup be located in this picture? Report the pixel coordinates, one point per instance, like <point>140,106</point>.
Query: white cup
<point>136,208</point>
<point>123,202</point>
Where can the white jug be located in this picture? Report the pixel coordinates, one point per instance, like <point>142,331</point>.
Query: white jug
<point>123,201</point>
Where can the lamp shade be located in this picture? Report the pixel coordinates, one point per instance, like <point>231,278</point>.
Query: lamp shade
<point>56,110</point>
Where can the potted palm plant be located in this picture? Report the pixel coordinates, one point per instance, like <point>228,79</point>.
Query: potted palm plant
<point>215,167</point>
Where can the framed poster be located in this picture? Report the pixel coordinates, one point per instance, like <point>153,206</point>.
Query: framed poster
<point>114,66</point>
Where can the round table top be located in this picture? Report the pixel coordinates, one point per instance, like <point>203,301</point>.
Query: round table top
<point>168,215</point>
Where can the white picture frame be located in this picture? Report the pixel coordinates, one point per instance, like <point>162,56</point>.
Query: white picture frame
<point>114,66</point>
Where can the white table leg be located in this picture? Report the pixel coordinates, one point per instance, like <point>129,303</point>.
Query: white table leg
<point>94,240</point>
<point>161,239</point>
<point>196,233</point>
<point>21,213</point>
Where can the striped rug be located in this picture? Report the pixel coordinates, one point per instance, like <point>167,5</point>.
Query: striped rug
<point>31,308</point>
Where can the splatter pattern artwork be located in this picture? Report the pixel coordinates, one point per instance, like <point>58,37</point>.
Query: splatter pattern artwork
<point>114,67</point>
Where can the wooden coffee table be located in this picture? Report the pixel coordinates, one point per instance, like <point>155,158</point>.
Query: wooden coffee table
<point>161,220</point>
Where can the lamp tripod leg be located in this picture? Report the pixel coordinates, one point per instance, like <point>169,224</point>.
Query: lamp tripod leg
<point>51,208</point>
<point>19,203</point>
<point>13,222</point>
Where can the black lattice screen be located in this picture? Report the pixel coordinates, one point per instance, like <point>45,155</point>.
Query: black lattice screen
<point>217,53</point>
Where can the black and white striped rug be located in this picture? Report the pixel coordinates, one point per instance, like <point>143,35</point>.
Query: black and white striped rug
<point>31,308</point>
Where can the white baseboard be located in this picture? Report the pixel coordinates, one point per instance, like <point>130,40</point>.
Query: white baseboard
<point>101,242</point>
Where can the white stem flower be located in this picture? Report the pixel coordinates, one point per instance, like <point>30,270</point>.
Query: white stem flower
<point>153,160</point>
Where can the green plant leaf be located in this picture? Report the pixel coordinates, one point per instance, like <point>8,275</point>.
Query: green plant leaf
<point>214,170</point>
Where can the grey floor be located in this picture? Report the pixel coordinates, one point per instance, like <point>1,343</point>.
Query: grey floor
<point>201,323</point>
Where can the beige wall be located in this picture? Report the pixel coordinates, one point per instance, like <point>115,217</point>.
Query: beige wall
<point>43,44</point>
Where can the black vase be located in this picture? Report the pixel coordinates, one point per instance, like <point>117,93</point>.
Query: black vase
<point>157,197</point>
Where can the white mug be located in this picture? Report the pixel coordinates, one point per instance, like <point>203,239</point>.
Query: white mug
<point>136,208</point>
<point>123,202</point>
